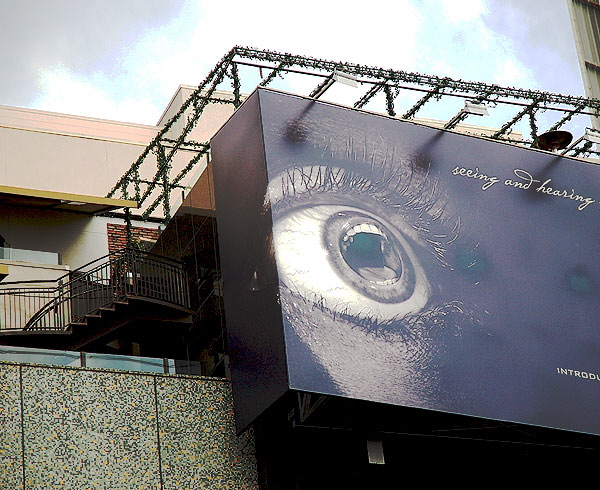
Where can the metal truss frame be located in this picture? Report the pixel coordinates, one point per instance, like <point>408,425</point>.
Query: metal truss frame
<point>150,193</point>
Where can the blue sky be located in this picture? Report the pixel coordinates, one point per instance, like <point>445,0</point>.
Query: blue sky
<point>123,60</point>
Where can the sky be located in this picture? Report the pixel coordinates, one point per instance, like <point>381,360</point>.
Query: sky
<point>124,59</point>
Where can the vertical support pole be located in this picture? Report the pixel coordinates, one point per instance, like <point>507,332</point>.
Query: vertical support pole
<point>127,215</point>
<point>506,127</point>
<point>567,117</point>
<point>368,96</point>
<point>273,74</point>
<point>166,195</point>
<point>163,169</point>
<point>389,100</point>
<point>533,126</point>
<point>235,83</point>
<point>136,184</point>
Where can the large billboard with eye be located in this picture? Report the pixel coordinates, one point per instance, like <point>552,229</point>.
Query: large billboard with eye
<point>376,259</point>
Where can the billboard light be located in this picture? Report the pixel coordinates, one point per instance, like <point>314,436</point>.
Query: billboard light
<point>592,136</point>
<point>345,78</point>
<point>476,109</point>
<point>336,76</point>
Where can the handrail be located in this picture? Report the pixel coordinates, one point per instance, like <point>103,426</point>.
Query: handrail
<point>84,266</point>
<point>122,274</point>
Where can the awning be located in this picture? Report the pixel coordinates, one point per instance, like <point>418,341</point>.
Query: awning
<point>65,201</point>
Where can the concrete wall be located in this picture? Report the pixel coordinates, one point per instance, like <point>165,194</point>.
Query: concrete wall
<point>58,152</point>
<point>75,429</point>
<point>28,271</point>
<point>63,153</point>
<point>78,238</point>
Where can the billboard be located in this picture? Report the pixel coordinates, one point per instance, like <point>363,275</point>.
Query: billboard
<point>376,259</point>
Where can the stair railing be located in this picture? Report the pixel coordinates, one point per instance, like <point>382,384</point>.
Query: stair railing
<point>25,306</point>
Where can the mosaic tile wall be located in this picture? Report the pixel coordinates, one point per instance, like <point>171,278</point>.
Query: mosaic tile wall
<point>11,459</point>
<point>196,422</point>
<point>82,429</point>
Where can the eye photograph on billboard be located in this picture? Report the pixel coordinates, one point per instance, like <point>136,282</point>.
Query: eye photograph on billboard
<point>400,264</point>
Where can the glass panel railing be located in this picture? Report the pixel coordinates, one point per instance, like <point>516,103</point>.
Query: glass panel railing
<point>196,368</point>
<point>39,356</point>
<point>125,363</point>
<point>93,360</point>
<point>34,256</point>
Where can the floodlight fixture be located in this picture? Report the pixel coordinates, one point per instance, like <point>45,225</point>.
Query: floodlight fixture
<point>592,136</point>
<point>475,109</point>
<point>345,78</point>
<point>337,76</point>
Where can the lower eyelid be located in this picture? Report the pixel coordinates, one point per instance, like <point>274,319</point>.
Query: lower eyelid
<point>414,332</point>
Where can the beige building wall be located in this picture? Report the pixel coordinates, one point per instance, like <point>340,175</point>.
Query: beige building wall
<point>213,116</point>
<point>78,238</point>
<point>585,20</point>
<point>23,271</point>
<point>64,153</point>
<point>48,151</point>
<point>59,152</point>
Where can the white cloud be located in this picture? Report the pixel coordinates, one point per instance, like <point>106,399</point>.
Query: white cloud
<point>464,11</point>
<point>466,47</point>
<point>91,95</point>
<point>190,44</point>
<point>510,72</point>
<point>430,36</point>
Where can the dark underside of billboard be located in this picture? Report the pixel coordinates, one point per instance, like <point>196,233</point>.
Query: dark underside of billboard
<point>310,442</point>
<point>387,264</point>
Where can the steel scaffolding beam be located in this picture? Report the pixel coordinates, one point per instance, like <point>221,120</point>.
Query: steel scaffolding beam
<point>152,188</point>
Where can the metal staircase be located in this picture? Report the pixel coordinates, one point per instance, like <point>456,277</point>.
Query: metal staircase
<point>94,300</point>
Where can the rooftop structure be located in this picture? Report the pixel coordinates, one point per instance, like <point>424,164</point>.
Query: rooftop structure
<point>152,178</point>
<point>111,270</point>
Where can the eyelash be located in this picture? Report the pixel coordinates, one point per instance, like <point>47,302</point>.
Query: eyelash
<point>417,199</point>
<point>422,207</point>
<point>437,321</point>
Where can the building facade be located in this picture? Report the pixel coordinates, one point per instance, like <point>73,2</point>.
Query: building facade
<point>126,413</point>
<point>115,356</point>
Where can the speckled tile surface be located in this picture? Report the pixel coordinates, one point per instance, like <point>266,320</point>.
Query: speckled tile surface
<point>11,460</point>
<point>199,449</point>
<point>89,430</point>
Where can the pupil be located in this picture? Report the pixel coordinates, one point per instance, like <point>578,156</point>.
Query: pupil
<point>364,251</point>
<point>371,257</point>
